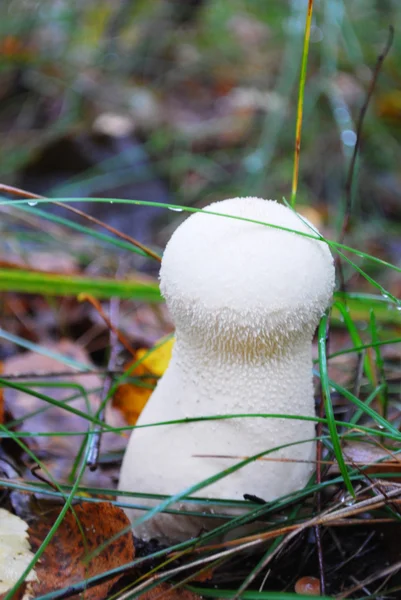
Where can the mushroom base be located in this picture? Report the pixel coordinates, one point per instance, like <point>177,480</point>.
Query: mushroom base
<point>169,459</point>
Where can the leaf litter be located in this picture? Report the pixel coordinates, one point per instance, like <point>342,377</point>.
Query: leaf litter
<point>66,560</point>
<point>33,415</point>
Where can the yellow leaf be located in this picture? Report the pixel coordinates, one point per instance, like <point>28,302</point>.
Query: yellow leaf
<point>131,398</point>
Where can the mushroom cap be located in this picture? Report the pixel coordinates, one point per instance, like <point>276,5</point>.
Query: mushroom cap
<point>220,274</point>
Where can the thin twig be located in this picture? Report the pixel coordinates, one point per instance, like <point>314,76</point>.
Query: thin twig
<point>94,444</point>
<point>34,471</point>
<point>351,170</point>
<point>24,194</point>
<point>117,333</point>
<point>326,518</point>
<point>46,375</point>
<point>382,463</point>
<point>354,554</point>
<point>389,571</point>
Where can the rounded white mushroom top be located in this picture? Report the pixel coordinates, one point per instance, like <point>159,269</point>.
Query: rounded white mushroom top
<point>231,276</point>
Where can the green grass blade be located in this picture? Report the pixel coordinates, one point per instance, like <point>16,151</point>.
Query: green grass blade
<point>48,399</point>
<point>383,396</point>
<point>300,107</point>
<point>328,404</point>
<point>93,233</point>
<point>251,595</point>
<point>65,360</point>
<point>356,339</point>
<point>49,284</point>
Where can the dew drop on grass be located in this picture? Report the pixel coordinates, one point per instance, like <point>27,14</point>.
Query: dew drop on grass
<point>346,499</point>
<point>32,202</point>
<point>175,209</point>
<point>348,138</point>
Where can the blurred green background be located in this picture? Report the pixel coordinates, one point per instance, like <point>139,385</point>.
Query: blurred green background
<point>191,102</point>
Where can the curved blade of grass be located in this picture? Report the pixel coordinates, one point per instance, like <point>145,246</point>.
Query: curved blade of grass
<point>359,308</point>
<point>14,423</point>
<point>389,342</point>
<point>102,237</point>
<point>385,293</point>
<point>328,404</point>
<point>383,396</point>
<point>358,413</point>
<point>21,388</point>
<point>381,421</point>
<point>50,284</point>
<point>190,209</point>
<point>356,339</point>
<point>65,360</point>
<point>349,425</point>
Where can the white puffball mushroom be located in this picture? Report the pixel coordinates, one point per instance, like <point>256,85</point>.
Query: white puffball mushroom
<point>246,299</point>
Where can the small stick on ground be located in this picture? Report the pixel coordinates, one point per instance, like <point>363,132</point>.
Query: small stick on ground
<point>13,191</point>
<point>94,444</point>
<point>351,170</point>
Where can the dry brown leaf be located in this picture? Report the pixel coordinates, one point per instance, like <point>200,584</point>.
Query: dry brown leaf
<point>131,399</point>
<point>63,562</point>
<point>168,592</point>
<point>366,456</point>
<point>206,575</point>
<point>48,262</point>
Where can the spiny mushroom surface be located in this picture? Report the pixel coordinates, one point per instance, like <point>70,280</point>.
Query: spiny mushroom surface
<point>245,299</point>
